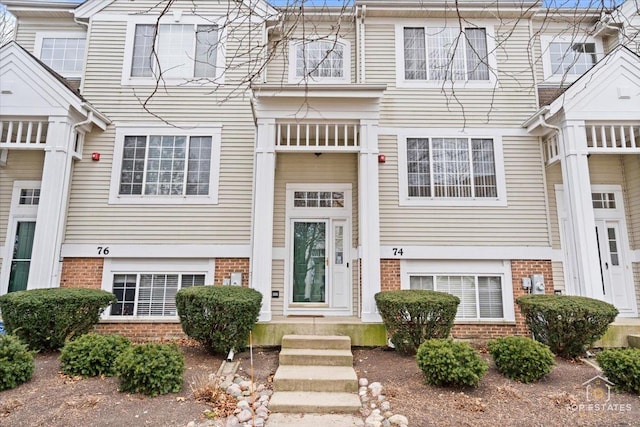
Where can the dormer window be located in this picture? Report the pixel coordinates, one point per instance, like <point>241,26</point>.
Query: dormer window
<point>320,61</point>
<point>565,58</point>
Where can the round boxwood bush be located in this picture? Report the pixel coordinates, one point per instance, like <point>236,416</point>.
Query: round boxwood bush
<point>45,318</point>
<point>445,362</point>
<point>151,369</point>
<point>567,324</point>
<point>219,317</point>
<point>91,355</point>
<point>16,362</point>
<point>520,358</point>
<point>414,316</point>
<point>622,367</point>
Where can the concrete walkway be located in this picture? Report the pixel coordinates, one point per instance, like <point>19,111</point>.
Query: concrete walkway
<point>313,420</point>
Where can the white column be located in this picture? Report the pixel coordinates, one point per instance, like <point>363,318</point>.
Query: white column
<point>577,184</point>
<point>262,233</point>
<point>369,219</point>
<point>52,208</point>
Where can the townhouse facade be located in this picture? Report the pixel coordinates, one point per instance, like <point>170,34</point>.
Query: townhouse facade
<point>321,157</point>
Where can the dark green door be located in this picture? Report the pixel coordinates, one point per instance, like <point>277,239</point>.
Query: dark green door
<point>21,256</point>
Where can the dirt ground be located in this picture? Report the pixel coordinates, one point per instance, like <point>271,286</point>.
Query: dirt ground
<point>51,399</point>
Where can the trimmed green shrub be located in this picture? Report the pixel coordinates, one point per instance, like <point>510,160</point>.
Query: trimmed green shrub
<point>16,362</point>
<point>567,324</point>
<point>219,317</point>
<point>45,318</point>
<point>151,369</point>
<point>414,316</point>
<point>91,355</point>
<point>622,367</point>
<point>520,358</point>
<point>445,362</point>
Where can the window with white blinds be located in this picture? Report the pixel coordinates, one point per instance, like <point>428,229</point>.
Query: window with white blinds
<point>480,295</point>
<point>150,294</point>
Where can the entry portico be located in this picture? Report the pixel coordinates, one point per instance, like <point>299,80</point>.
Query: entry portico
<point>318,261</point>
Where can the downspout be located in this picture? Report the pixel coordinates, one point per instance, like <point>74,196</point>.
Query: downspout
<point>86,51</point>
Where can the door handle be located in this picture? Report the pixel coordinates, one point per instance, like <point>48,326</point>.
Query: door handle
<point>347,265</point>
<point>606,265</point>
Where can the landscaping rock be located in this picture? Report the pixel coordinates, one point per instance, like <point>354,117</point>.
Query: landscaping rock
<point>399,420</point>
<point>232,422</point>
<point>363,382</point>
<point>244,416</point>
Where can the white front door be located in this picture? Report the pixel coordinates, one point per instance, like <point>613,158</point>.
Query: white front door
<point>612,266</point>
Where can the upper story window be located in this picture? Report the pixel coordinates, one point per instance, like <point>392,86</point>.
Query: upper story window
<point>451,171</point>
<point>566,58</point>
<point>175,53</point>
<point>166,166</point>
<point>320,61</point>
<point>444,53</point>
<point>63,52</point>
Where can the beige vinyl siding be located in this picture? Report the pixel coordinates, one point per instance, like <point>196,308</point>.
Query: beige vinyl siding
<point>22,165</point>
<point>28,27</point>
<point>636,278</point>
<point>522,223</point>
<point>508,103</point>
<point>558,276</point>
<point>277,284</point>
<point>631,165</point>
<point>92,219</point>
<point>308,168</point>
<point>554,177</point>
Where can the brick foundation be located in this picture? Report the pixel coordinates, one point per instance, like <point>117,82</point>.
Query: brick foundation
<point>82,273</point>
<point>142,332</point>
<point>390,280</point>
<point>226,266</point>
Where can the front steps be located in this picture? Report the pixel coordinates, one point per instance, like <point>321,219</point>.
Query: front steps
<point>315,375</point>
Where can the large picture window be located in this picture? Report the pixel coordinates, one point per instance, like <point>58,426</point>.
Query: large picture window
<point>451,168</point>
<point>445,54</point>
<point>572,58</point>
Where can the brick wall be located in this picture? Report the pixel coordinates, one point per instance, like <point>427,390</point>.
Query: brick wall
<point>226,266</point>
<point>142,332</point>
<point>82,273</point>
<point>390,274</point>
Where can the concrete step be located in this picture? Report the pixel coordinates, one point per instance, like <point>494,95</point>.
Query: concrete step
<point>307,357</point>
<point>634,340</point>
<point>326,342</point>
<point>315,378</point>
<point>314,402</point>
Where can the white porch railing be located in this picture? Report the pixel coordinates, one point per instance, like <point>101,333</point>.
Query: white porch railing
<point>23,134</point>
<point>316,137</point>
<point>551,149</point>
<point>615,138</point>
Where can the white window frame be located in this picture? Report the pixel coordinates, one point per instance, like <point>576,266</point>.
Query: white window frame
<point>215,132</point>
<point>402,82</point>
<point>346,63</point>
<point>175,19</point>
<point>545,42</point>
<point>403,190</point>
<point>113,267</point>
<point>500,268</point>
<point>40,36</point>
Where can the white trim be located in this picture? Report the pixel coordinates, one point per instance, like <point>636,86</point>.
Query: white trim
<point>161,266</point>
<point>40,35</point>
<point>346,63</point>
<point>83,250</point>
<point>478,267</point>
<point>465,253</point>
<point>142,129</point>
<point>405,200</point>
<point>634,255</point>
<point>208,82</point>
<point>17,213</point>
<point>545,42</point>
<point>401,82</point>
<point>504,132</point>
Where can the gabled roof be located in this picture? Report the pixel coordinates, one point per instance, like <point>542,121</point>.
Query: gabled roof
<point>29,87</point>
<point>91,7</point>
<point>610,90</point>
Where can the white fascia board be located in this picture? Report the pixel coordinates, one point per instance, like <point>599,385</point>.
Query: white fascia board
<point>83,250</point>
<point>319,91</point>
<point>467,252</point>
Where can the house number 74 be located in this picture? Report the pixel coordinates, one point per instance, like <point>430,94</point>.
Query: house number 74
<point>397,251</point>
<point>103,250</point>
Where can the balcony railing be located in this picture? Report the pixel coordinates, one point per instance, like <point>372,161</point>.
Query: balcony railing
<point>317,137</point>
<point>618,137</point>
<point>23,134</point>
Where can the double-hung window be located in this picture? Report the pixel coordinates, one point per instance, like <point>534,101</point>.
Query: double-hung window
<point>62,52</point>
<point>445,53</point>
<point>164,165</point>
<point>150,294</point>
<point>320,61</point>
<point>174,53</point>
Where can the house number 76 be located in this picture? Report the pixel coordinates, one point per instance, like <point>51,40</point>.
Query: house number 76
<point>103,250</point>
